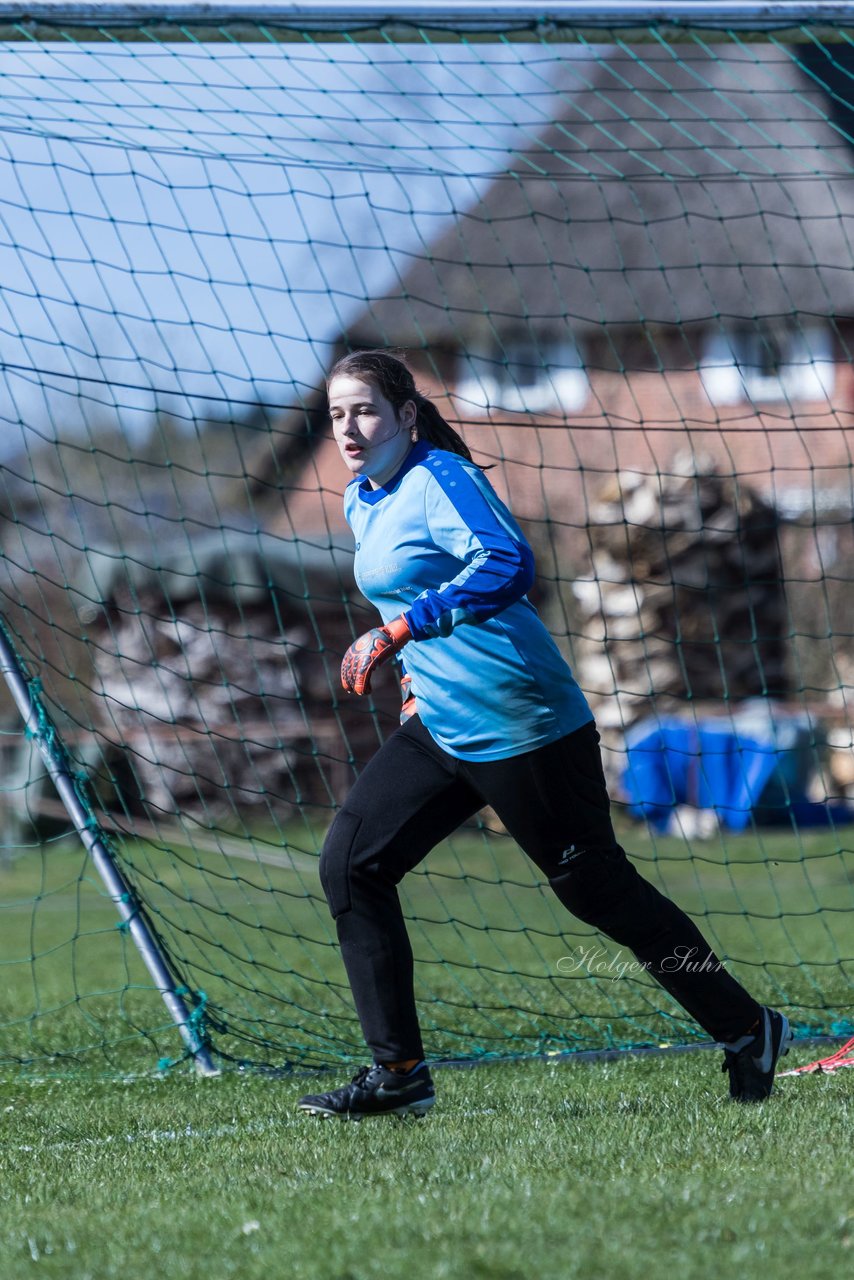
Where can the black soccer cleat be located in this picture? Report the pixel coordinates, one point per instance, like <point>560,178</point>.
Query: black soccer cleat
<point>375,1091</point>
<point>751,1064</point>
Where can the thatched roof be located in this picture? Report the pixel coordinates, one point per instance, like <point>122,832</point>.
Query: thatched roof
<point>680,185</point>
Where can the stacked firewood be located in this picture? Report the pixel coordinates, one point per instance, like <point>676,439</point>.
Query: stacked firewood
<point>215,709</point>
<point>203,704</point>
<point>686,600</point>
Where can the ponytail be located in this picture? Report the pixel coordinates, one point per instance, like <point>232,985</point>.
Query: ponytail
<point>393,378</point>
<point>433,427</point>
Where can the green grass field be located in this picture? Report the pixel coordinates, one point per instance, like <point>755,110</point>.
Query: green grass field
<point>547,1168</point>
<point>618,1169</point>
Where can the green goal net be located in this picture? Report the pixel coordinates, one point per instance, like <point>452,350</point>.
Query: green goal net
<point>620,260</point>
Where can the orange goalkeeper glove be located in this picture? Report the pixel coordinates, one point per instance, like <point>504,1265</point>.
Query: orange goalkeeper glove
<point>370,651</point>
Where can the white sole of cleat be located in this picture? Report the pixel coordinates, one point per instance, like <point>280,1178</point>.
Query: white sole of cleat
<point>416,1109</point>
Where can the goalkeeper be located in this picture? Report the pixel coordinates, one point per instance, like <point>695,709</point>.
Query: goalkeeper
<point>492,716</point>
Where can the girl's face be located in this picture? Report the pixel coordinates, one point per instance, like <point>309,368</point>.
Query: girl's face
<point>372,437</point>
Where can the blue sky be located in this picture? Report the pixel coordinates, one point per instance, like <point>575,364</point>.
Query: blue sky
<point>201,220</point>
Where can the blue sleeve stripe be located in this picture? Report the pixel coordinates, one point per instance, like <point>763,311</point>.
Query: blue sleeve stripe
<point>472,507</point>
<point>500,571</point>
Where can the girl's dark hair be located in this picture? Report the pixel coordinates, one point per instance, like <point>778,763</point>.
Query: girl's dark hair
<point>393,378</point>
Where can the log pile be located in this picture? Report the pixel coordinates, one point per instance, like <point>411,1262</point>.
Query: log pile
<point>201,710</point>
<point>217,710</point>
<point>686,600</point>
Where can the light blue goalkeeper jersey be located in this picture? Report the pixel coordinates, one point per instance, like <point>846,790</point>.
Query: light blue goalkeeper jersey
<point>437,544</point>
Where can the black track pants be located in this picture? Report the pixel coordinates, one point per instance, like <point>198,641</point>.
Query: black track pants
<point>554,803</point>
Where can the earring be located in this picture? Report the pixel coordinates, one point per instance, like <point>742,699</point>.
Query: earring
<point>413,435</point>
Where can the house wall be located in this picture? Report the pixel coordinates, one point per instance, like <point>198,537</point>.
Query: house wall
<point>655,422</point>
<point>550,469</point>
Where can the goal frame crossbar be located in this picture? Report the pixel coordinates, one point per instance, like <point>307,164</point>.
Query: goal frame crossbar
<point>406,19</point>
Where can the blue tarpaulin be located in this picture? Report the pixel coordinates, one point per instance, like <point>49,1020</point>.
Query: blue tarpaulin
<point>754,765</point>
